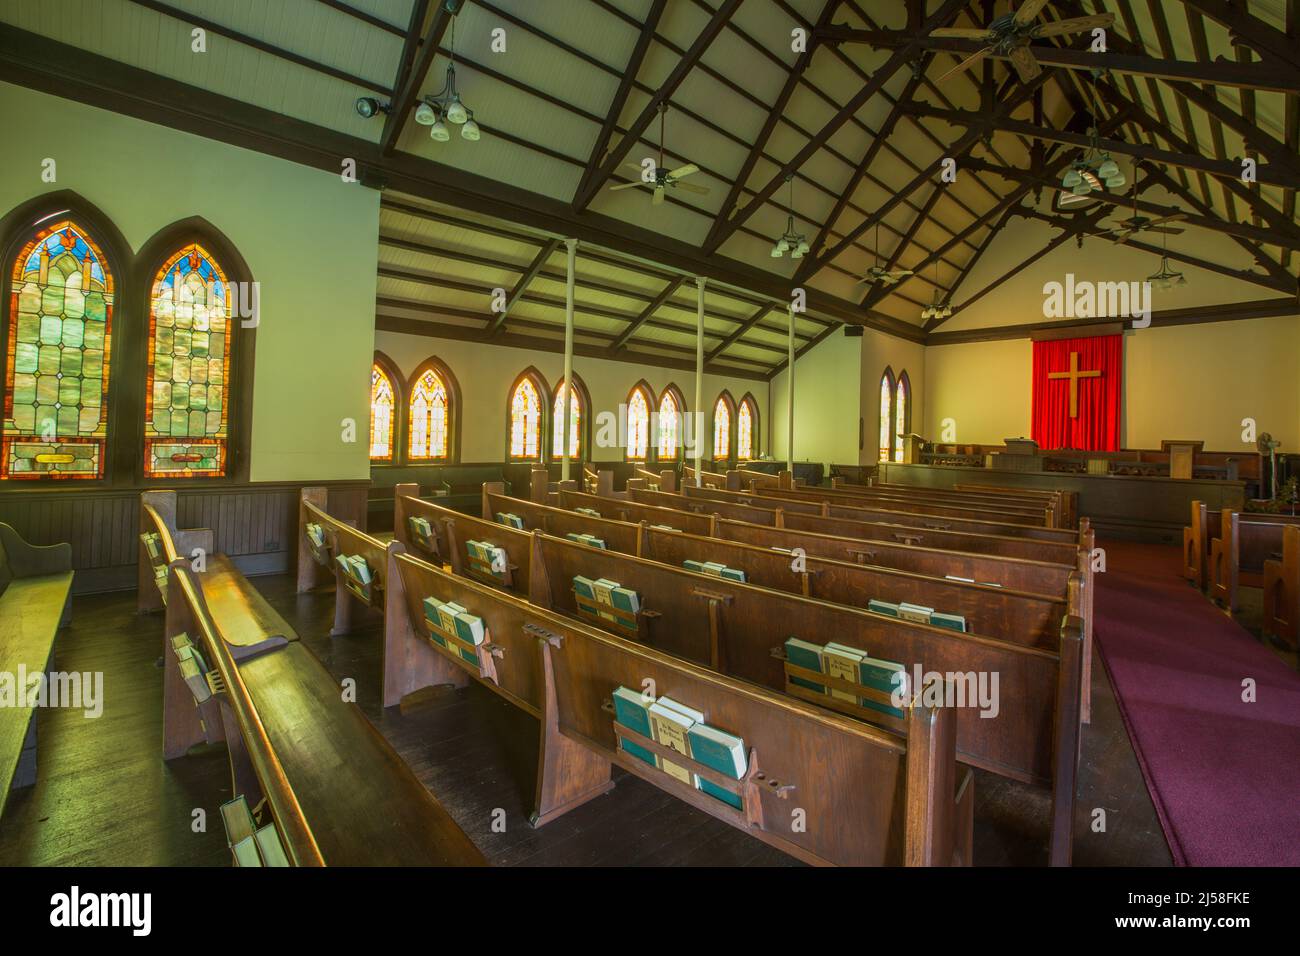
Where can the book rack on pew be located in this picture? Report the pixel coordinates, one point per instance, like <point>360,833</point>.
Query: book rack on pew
<point>483,571</point>
<point>627,623</point>
<point>342,539</point>
<point>484,656</point>
<point>746,788</point>
<point>870,715</point>
<point>370,593</point>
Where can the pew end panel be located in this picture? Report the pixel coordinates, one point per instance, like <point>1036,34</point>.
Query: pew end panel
<point>158,516</point>
<point>1282,591</point>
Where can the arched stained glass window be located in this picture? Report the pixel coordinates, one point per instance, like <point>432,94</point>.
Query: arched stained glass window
<point>429,422</point>
<point>383,417</point>
<point>670,426</point>
<point>746,430</point>
<point>638,424</point>
<point>188,387</point>
<point>525,421</point>
<point>575,423</point>
<point>722,428</point>
<point>60,321</point>
<point>886,413</point>
<point>901,398</point>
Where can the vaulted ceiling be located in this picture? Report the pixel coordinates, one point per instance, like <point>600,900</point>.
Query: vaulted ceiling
<point>848,137</point>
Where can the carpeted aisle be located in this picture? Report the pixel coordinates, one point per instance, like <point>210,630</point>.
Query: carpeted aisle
<point>1224,774</point>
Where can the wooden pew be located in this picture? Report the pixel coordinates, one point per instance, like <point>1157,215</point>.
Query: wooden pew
<point>1206,525</point>
<point>1001,513</point>
<point>738,629</point>
<point>736,510</point>
<point>1067,501</point>
<point>869,796</point>
<point>337,793</point>
<point>664,479</point>
<point>631,510</point>
<point>35,601</point>
<point>1050,504</point>
<point>1238,555</point>
<point>342,538</point>
<point>1282,591</point>
<point>709,479</point>
<point>158,514</point>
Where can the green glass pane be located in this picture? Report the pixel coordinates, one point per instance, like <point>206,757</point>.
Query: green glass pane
<point>48,359</point>
<point>45,419</point>
<point>214,423</point>
<point>91,393</point>
<point>74,333</point>
<point>163,341</point>
<point>89,420</point>
<point>162,394</point>
<point>93,335</point>
<point>199,344</point>
<point>25,357</point>
<point>162,417</point>
<point>201,321</point>
<point>25,418</point>
<point>197,420</point>
<point>29,327</point>
<point>92,364</point>
<point>217,346</point>
<point>214,397</point>
<point>162,367</point>
<point>179,421</point>
<point>184,317</point>
<point>181,395</point>
<point>216,372</point>
<point>47,389</point>
<point>181,372</point>
<point>29,298</point>
<point>74,303</point>
<point>52,300</point>
<point>199,370</point>
<point>182,344</point>
<point>71,363</point>
<point>198,396</point>
<point>70,391</point>
<point>96,307</point>
<point>68,420</point>
<point>24,388</point>
<point>51,329</point>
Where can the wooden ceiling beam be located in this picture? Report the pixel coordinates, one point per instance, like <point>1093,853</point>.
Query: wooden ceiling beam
<point>630,71</point>
<point>1257,76</point>
<point>897,61</point>
<point>878,292</point>
<point>661,97</point>
<point>647,313</point>
<point>521,286</point>
<point>404,99</point>
<point>365,17</point>
<point>1269,43</point>
<point>738,332</point>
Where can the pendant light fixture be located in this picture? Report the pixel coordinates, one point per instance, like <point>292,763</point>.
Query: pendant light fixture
<point>446,106</point>
<point>1094,170</point>
<point>1166,278</point>
<point>939,308</point>
<point>792,242</point>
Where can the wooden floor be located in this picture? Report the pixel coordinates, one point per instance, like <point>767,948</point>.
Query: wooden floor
<point>105,797</point>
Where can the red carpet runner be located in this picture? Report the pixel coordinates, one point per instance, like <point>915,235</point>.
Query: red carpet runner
<point>1224,774</point>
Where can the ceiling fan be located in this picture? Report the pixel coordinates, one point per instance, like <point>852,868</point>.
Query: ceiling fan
<point>879,274</point>
<point>1128,228</point>
<point>663,178</point>
<point>1010,34</point>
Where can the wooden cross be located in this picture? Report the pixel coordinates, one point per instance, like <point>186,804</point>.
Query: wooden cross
<point>1074,375</point>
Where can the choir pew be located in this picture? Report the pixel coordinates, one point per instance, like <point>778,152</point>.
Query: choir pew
<point>342,539</point>
<point>1206,525</point>
<point>1282,590</point>
<point>868,796</point>
<point>1001,513</point>
<point>709,479</point>
<point>1238,555</point>
<point>739,629</point>
<point>337,793</point>
<point>35,601</point>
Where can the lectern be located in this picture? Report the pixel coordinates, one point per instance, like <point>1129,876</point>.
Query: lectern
<point>1182,456</point>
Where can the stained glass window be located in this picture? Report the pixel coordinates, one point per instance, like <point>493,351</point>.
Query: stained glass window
<point>382,418</point>
<point>575,424</point>
<point>745,420</point>
<point>670,426</point>
<point>525,421</point>
<point>56,385</point>
<point>429,424</point>
<point>886,417</point>
<point>900,416</point>
<point>638,425</point>
<point>721,429</point>
<point>187,398</point>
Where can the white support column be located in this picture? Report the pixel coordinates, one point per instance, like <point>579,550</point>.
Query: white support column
<point>566,417</point>
<point>699,375</point>
<point>789,398</point>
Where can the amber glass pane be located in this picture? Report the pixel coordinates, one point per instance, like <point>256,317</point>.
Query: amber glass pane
<point>382,418</point>
<point>429,427</point>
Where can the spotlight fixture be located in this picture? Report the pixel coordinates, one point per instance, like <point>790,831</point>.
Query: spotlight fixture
<point>446,106</point>
<point>792,242</point>
<point>368,106</point>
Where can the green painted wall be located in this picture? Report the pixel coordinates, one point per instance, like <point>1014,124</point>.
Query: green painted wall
<point>827,390</point>
<point>308,238</point>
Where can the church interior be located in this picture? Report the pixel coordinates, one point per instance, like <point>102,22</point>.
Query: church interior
<point>691,433</point>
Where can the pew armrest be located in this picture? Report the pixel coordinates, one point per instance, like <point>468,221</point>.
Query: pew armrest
<point>33,560</point>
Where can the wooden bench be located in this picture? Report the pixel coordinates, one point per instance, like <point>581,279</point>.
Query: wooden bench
<point>1238,555</point>
<point>1001,513</point>
<point>337,793</point>
<point>868,796</point>
<point>35,601</point>
<point>1206,525</point>
<point>158,518</point>
<point>341,538</point>
<point>1282,590</point>
<point>709,479</point>
<point>1058,501</point>
<point>738,629</point>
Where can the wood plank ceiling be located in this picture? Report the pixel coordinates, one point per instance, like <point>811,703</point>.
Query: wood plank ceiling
<point>847,137</point>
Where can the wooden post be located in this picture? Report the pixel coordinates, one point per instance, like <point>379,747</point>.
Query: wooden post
<point>539,481</point>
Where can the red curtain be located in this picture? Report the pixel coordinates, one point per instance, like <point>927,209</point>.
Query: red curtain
<point>1096,428</point>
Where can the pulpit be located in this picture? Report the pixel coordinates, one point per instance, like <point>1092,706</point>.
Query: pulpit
<point>1182,456</point>
<point>1021,454</point>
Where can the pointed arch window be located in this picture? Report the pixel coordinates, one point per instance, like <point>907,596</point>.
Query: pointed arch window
<point>60,318</point>
<point>747,429</point>
<point>577,424</point>
<point>430,417</point>
<point>722,427</point>
<point>669,441</point>
<point>526,420</point>
<point>886,414</point>
<point>902,414</point>
<point>639,403</point>
<point>187,396</point>
<point>383,415</point>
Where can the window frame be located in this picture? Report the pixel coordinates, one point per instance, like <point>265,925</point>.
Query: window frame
<point>902,386</point>
<point>545,400</point>
<point>652,406</point>
<point>680,399</point>
<point>401,411</point>
<point>723,396</point>
<point>752,402</point>
<point>444,372</point>
<point>886,375</point>
<point>584,423</point>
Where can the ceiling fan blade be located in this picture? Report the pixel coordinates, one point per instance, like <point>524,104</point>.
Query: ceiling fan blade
<point>961,33</point>
<point>1028,10</point>
<point>659,196</point>
<point>1172,217</point>
<point>903,272</point>
<point>1167,230</point>
<point>625,186</point>
<point>1027,67</point>
<point>865,279</point>
<point>1076,25</point>
<point>967,63</point>
<point>681,171</point>
<point>631,165</point>
<point>692,188</point>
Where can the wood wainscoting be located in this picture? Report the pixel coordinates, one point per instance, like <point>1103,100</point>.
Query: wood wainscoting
<point>255,524</point>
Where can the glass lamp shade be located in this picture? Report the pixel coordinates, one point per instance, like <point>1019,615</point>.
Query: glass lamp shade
<point>804,247</point>
<point>1108,168</point>
<point>1082,189</point>
<point>776,251</point>
<point>438,131</point>
<point>1071,179</point>
<point>426,115</point>
<point>1182,280</point>
<point>1116,181</point>
<point>456,111</point>
<point>796,252</point>
<point>470,131</point>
